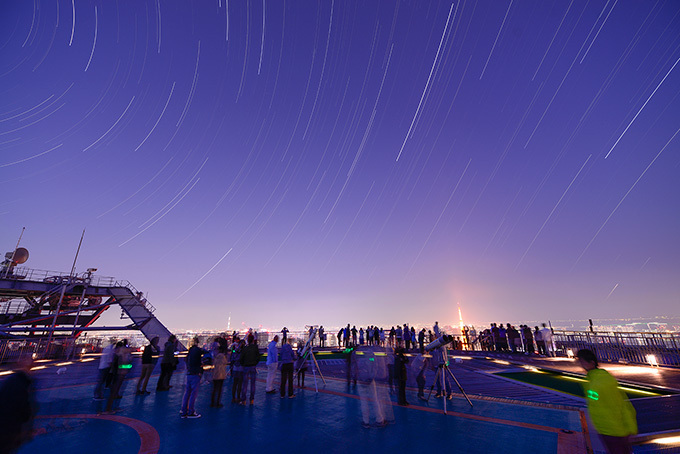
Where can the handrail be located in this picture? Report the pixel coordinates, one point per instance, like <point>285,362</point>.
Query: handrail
<point>60,278</point>
<point>565,331</point>
<point>150,307</point>
<point>650,348</point>
<point>57,277</point>
<point>631,347</point>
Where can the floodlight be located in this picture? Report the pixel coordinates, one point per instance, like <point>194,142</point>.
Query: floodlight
<point>651,359</point>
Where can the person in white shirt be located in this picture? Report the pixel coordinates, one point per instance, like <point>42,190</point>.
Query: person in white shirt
<point>546,334</point>
<point>272,363</point>
<point>105,361</point>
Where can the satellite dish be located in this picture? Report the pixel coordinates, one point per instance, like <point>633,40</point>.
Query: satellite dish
<point>20,255</point>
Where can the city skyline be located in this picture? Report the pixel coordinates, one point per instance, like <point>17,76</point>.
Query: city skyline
<point>349,161</point>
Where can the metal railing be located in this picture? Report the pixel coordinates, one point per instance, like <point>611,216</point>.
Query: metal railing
<point>14,307</point>
<point>636,348</point>
<point>60,277</point>
<point>62,348</point>
<point>263,337</point>
<point>57,277</point>
<point>132,288</point>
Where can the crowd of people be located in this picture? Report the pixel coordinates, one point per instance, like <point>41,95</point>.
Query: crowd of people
<point>498,337</point>
<point>237,356</point>
<point>368,368</point>
<point>401,336</point>
<point>374,356</point>
<point>226,356</point>
<point>508,338</point>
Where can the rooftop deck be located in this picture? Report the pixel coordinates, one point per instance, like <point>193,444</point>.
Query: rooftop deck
<point>506,416</point>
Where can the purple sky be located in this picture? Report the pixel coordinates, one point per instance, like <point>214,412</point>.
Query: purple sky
<point>349,161</point>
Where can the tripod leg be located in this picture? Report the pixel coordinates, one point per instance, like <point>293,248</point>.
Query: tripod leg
<point>445,389</point>
<point>459,387</point>
<point>314,367</point>
<point>430,393</point>
<point>315,384</point>
<point>433,383</point>
<point>318,368</point>
<point>299,369</point>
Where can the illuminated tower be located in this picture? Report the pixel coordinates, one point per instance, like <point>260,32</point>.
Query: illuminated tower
<point>463,334</point>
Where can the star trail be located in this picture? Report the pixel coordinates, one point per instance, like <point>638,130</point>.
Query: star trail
<point>334,161</point>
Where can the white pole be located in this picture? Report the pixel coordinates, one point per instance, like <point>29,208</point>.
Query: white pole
<point>63,290</point>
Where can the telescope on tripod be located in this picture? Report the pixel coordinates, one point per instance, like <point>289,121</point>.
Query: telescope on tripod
<point>308,350</point>
<point>308,344</point>
<point>443,367</point>
<point>441,341</point>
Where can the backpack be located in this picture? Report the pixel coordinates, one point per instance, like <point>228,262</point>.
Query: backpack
<point>207,359</point>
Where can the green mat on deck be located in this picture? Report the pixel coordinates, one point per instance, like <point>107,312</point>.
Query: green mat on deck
<point>569,384</point>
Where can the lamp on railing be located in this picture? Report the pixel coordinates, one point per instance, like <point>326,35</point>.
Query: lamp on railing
<point>651,359</point>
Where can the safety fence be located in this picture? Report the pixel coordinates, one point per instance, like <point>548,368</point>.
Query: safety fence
<point>12,350</point>
<point>628,347</point>
<point>58,277</point>
<point>264,337</point>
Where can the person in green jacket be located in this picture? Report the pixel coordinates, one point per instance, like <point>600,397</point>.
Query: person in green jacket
<point>610,410</point>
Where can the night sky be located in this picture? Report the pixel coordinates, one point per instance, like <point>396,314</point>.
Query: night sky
<point>295,162</point>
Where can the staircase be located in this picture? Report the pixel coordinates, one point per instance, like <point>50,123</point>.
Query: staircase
<point>30,300</point>
<point>141,313</point>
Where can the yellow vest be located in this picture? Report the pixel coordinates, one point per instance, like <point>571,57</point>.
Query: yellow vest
<point>610,410</point>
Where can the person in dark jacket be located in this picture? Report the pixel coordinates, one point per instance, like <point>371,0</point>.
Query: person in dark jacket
<point>237,370</point>
<point>17,407</point>
<point>287,358</point>
<point>528,340</point>
<point>168,364</point>
<point>194,373</point>
<point>149,357</point>
<point>250,357</point>
<point>512,335</point>
<point>400,361</point>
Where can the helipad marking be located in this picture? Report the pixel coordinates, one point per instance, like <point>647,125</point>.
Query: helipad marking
<point>150,440</point>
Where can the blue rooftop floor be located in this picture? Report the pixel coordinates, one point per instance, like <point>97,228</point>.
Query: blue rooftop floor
<point>507,416</point>
<point>329,420</point>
